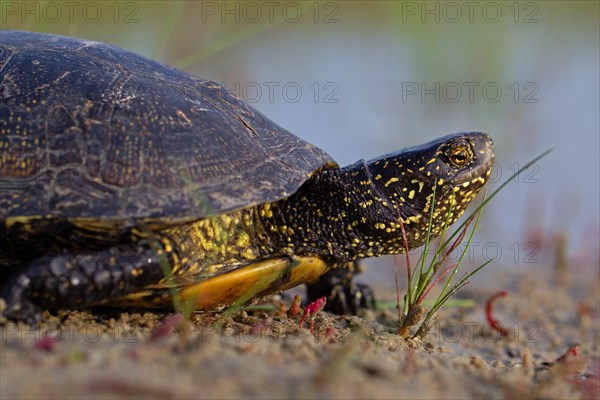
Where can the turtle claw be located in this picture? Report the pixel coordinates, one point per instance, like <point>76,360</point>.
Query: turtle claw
<point>17,306</point>
<point>344,300</point>
<point>344,296</point>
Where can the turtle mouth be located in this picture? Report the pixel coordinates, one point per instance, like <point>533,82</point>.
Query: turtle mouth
<point>479,174</point>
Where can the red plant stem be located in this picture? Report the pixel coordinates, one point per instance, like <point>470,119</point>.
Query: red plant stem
<point>426,291</point>
<point>493,322</point>
<point>460,237</point>
<point>408,269</point>
<point>311,310</point>
<point>397,284</point>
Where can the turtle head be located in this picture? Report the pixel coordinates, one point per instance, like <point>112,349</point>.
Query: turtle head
<point>457,166</point>
<point>358,211</point>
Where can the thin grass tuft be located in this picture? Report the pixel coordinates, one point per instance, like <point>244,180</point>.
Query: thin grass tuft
<point>429,276</point>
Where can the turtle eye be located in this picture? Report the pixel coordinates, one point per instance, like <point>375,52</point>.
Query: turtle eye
<point>460,155</point>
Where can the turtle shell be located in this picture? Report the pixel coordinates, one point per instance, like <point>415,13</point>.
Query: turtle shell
<point>91,131</point>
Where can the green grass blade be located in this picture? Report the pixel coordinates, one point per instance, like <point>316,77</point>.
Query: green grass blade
<point>168,28</point>
<point>462,255</point>
<point>435,259</point>
<point>423,257</point>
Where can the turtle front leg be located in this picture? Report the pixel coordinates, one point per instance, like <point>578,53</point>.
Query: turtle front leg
<point>344,295</point>
<point>82,279</point>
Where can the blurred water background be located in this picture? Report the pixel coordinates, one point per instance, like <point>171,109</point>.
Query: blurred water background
<point>360,79</point>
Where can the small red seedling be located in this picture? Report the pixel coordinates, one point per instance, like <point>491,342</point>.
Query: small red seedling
<point>589,383</point>
<point>166,327</point>
<point>311,310</point>
<point>493,322</point>
<point>46,343</point>
<point>259,328</point>
<point>329,333</point>
<point>569,355</point>
<point>295,307</point>
<point>586,380</point>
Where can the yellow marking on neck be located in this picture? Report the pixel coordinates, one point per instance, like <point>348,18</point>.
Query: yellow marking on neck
<point>412,218</point>
<point>391,180</point>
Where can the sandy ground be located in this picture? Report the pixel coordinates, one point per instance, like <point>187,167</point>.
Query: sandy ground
<point>265,354</point>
